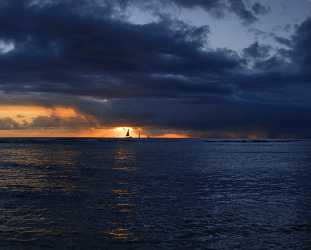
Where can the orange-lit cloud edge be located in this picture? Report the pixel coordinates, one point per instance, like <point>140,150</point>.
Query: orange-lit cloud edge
<point>61,121</point>
<point>84,133</point>
<point>26,121</point>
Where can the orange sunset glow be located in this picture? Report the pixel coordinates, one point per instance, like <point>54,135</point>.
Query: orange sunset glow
<point>27,113</point>
<point>22,121</point>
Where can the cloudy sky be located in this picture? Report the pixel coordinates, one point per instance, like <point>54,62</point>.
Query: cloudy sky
<point>167,68</point>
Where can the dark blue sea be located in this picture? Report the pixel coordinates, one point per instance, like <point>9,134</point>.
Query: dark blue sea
<point>155,194</point>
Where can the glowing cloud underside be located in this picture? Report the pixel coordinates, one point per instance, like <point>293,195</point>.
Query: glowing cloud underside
<point>58,121</point>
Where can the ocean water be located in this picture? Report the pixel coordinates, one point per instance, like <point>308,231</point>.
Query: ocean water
<point>154,194</point>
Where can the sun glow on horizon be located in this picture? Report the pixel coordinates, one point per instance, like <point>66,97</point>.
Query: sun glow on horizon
<point>60,121</point>
<point>173,136</point>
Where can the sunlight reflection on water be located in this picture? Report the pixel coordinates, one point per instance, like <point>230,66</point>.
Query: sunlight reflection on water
<point>36,168</point>
<point>124,165</point>
<point>154,194</point>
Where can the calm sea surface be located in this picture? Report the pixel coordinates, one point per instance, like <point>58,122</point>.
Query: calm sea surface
<point>155,194</point>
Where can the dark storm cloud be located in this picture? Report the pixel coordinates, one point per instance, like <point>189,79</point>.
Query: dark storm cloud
<point>283,41</point>
<point>238,7</point>
<point>301,53</point>
<point>161,74</point>
<point>260,9</point>
<point>206,4</point>
<point>256,50</point>
<point>96,56</point>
